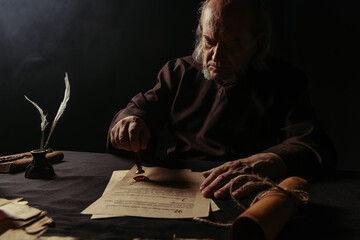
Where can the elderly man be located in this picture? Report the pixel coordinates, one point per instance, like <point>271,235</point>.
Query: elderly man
<point>229,102</point>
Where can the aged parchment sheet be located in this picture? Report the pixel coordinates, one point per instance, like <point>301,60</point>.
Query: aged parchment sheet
<point>170,193</point>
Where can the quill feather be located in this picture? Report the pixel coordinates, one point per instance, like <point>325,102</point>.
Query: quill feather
<point>61,108</point>
<point>44,121</point>
<point>65,100</point>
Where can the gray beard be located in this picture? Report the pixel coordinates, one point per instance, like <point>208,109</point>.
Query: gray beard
<point>207,76</point>
<point>206,73</point>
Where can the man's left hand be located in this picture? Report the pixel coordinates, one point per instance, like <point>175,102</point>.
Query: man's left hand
<point>218,180</point>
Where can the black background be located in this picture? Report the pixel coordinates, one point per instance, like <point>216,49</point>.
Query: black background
<point>114,49</point>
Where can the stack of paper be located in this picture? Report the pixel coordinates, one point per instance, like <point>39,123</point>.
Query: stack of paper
<point>170,193</point>
<point>20,221</point>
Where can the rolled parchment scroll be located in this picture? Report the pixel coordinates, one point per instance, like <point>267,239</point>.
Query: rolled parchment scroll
<point>18,162</point>
<point>266,217</point>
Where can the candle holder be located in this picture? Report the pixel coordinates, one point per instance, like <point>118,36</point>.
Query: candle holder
<point>39,167</point>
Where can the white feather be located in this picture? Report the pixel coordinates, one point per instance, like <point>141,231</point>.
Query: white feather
<point>65,100</point>
<point>44,122</point>
<point>61,108</point>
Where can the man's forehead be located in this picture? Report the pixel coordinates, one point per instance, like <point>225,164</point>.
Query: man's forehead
<point>230,4</point>
<point>210,20</point>
<point>221,15</point>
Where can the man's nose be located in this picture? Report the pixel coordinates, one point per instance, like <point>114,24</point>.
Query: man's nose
<point>218,52</point>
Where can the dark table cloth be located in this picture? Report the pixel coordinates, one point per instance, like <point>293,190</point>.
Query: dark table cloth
<point>333,211</point>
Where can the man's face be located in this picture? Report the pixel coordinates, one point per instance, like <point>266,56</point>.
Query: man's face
<point>228,45</point>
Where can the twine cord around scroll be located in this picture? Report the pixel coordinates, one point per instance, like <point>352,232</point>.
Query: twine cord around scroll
<point>300,195</point>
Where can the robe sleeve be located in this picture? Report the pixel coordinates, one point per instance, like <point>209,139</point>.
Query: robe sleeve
<point>152,106</point>
<point>304,146</point>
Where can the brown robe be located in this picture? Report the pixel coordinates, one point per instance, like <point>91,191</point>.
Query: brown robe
<point>265,111</point>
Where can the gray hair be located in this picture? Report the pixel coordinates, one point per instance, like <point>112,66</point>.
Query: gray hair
<point>261,24</point>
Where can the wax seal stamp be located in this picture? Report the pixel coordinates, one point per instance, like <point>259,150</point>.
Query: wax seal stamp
<point>141,178</point>
<point>138,158</point>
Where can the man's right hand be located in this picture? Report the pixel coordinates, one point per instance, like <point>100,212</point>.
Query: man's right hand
<point>130,133</point>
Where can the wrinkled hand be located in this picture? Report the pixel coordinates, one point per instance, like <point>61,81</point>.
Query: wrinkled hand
<point>130,133</point>
<point>218,180</point>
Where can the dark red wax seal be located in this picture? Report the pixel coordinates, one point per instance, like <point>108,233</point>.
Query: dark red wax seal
<point>141,178</point>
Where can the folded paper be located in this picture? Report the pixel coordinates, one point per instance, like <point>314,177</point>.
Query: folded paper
<point>20,221</point>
